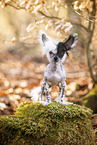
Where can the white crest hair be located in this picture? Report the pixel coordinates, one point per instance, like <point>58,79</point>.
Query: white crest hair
<point>47,44</point>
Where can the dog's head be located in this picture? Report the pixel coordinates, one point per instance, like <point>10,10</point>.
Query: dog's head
<point>56,51</point>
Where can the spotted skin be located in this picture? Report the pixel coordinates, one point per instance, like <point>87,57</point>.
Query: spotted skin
<point>54,74</point>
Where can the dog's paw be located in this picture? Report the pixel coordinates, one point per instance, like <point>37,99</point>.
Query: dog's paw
<point>58,100</point>
<point>45,103</point>
<point>62,102</point>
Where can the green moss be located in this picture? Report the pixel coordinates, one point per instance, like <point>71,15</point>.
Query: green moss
<point>35,124</point>
<point>90,100</point>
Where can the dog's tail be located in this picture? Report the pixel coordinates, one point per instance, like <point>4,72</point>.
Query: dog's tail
<point>35,93</point>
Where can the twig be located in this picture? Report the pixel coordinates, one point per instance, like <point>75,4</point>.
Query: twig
<point>17,8</point>
<point>51,17</point>
<point>78,13</point>
<point>83,16</point>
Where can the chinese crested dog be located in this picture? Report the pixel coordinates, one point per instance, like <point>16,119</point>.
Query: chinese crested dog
<point>54,74</point>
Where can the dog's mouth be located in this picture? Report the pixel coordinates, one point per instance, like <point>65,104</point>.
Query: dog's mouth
<point>55,61</point>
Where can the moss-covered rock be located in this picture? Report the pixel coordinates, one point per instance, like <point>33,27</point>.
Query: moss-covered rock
<point>90,99</point>
<point>35,124</point>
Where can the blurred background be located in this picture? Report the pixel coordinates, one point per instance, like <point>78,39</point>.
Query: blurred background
<point>21,64</point>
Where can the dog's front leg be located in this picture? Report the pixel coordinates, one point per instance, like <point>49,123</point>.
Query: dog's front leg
<point>42,90</point>
<point>62,97</point>
<point>45,87</point>
<point>48,96</point>
<point>58,99</point>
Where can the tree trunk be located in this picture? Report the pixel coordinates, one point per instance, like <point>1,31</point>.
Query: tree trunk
<point>91,29</point>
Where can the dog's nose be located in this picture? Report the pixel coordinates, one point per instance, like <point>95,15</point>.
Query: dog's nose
<point>55,58</point>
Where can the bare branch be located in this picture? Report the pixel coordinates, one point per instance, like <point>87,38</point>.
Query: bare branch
<point>16,7</point>
<point>80,26</point>
<point>78,13</point>
<point>83,16</point>
<point>51,17</point>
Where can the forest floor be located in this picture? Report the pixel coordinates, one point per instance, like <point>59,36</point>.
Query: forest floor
<point>21,72</point>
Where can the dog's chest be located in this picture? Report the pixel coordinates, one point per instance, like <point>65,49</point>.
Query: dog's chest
<point>54,74</point>
<point>54,78</point>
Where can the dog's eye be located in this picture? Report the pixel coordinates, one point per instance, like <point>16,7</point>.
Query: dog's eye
<point>50,52</point>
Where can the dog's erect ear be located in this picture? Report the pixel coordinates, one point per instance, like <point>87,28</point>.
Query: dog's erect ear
<point>43,37</point>
<point>71,41</point>
<point>47,43</point>
<point>64,47</point>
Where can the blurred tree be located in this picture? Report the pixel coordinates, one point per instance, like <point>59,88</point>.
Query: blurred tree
<point>64,16</point>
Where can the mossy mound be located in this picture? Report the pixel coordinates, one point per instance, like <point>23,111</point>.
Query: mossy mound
<point>90,99</point>
<point>35,124</point>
